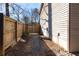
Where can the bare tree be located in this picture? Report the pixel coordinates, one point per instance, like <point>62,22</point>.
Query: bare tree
<point>7,9</point>
<point>35,15</point>
<point>20,13</point>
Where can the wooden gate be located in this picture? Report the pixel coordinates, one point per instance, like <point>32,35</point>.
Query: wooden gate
<point>34,28</point>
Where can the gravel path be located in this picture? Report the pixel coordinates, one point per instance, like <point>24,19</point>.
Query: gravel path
<point>37,47</point>
<point>34,47</point>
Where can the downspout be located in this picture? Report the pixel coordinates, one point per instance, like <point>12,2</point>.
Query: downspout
<point>50,20</point>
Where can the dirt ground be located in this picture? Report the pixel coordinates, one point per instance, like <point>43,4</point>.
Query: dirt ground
<point>36,46</point>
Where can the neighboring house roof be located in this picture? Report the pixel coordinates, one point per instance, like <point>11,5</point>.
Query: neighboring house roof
<point>41,8</point>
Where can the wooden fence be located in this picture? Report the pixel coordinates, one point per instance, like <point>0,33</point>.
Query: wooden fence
<point>10,32</point>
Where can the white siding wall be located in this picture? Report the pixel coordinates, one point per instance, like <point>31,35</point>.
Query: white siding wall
<point>60,18</point>
<point>44,20</point>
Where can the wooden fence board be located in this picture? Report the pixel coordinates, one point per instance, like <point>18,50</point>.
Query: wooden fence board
<point>19,30</point>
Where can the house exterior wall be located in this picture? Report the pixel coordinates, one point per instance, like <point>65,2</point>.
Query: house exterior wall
<point>60,23</point>
<point>65,25</point>
<point>60,18</point>
<point>44,19</point>
<point>74,27</point>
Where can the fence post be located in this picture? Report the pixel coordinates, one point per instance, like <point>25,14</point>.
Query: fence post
<point>16,31</point>
<point>50,20</point>
<point>2,52</point>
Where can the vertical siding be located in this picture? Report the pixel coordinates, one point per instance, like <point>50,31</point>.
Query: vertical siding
<point>60,17</point>
<point>74,27</point>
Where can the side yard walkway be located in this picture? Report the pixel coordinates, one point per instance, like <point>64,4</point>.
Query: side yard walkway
<point>36,46</point>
